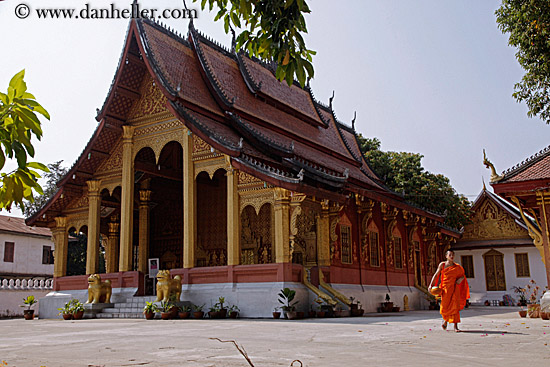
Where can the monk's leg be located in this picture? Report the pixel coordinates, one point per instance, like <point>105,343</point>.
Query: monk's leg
<point>444,325</point>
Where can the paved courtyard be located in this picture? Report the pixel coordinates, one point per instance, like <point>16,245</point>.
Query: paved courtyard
<point>491,337</point>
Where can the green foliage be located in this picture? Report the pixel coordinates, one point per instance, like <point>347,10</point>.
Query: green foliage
<point>150,307</point>
<point>76,305</point>
<point>528,24</point>
<point>55,174</point>
<point>286,296</point>
<point>29,301</point>
<point>403,173</point>
<point>272,31</point>
<point>67,309</point>
<point>18,124</point>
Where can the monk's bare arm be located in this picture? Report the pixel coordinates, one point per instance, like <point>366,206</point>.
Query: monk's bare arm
<point>439,268</point>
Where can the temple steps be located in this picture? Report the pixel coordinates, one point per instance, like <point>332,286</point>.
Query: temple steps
<point>132,308</point>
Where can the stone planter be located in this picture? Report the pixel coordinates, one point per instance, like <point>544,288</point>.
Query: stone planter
<point>184,315</point>
<point>387,306</point>
<point>67,316</point>
<point>291,315</point>
<point>276,314</point>
<point>522,313</point>
<point>78,315</point>
<point>166,315</point>
<point>149,315</point>
<point>198,314</point>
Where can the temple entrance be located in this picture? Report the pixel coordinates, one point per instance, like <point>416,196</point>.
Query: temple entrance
<point>257,235</point>
<point>76,254</point>
<point>494,271</point>
<point>158,226</point>
<point>211,219</point>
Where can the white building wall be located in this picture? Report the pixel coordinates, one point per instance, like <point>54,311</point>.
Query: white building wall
<point>478,285</point>
<point>27,257</point>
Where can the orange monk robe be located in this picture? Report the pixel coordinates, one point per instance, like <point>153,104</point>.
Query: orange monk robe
<point>454,296</point>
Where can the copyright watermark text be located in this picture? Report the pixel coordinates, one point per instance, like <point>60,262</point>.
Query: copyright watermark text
<point>135,11</point>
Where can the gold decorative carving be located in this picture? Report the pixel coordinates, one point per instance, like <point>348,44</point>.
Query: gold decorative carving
<point>81,202</point>
<point>98,291</point>
<point>77,222</point>
<point>158,127</point>
<point>489,221</point>
<point>157,142</point>
<point>245,179</point>
<point>494,176</point>
<point>210,166</point>
<point>167,288</point>
<point>256,199</point>
<point>334,237</point>
<point>152,100</point>
<point>114,162</point>
<point>200,145</point>
<point>534,232</point>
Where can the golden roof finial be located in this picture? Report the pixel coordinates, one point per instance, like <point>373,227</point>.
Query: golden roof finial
<point>494,176</point>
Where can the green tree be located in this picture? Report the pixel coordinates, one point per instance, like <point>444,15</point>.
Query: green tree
<point>403,173</point>
<point>528,24</point>
<point>18,124</point>
<point>272,31</point>
<point>56,173</point>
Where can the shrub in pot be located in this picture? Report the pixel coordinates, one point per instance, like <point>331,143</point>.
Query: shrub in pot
<point>166,310</point>
<point>184,312</point>
<point>77,309</point>
<point>149,310</point>
<point>66,311</point>
<point>28,302</point>
<point>234,311</point>
<point>276,313</point>
<point>198,313</point>
<point>286,296</point>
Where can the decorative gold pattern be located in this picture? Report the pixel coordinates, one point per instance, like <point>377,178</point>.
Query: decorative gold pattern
<point>491,222</point>
<point>114,162</point>
<point>245,179</point>
<point>210,166</point>
<point>199,145</point>
<point>256,199</point>
<point>157,142</point>
<point>151,102</point>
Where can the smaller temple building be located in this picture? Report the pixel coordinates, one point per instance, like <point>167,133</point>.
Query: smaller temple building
<point>496,250</point>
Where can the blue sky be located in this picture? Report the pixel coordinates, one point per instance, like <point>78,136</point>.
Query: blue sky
<point>427,76</point>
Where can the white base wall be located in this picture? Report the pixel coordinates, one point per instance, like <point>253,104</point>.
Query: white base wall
<point>10,301</point>
<point>52,301</point>
<point>253,299</point>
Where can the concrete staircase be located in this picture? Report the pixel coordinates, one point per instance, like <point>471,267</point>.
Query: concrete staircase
<point>131,309</point>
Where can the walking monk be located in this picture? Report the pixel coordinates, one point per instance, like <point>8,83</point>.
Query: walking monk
<point>455,290</point>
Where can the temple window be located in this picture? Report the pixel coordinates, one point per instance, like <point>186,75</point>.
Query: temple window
<point>9,249</point>
<point>398,252</point>
<point>522,265</point>
<point>467,262</point>
<point>374,249</point>
<point>345,238</point>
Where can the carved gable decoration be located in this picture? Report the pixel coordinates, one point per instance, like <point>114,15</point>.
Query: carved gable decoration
<point>492,222</point>
<point>114,162</point>
<point>152,100</point>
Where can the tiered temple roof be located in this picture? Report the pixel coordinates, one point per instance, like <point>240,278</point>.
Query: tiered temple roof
<point>277,133</point>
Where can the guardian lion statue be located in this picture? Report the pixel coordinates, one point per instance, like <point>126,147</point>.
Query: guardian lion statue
<point>166,286</point>
<point>98,291</point>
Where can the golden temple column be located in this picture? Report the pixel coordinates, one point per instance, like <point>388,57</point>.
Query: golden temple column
<point>111,252</point>
<point>282,225</point>
<point>543,200</point>
<point>127,200</point>
<point>233,222</point>
<point>94,217</point>
<point>143,249</point>
<point>61,241</point>
<point>188,202</point>
<point>323,238</point>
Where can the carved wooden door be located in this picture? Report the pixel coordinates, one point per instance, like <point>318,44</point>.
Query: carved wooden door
<point>494,271</point>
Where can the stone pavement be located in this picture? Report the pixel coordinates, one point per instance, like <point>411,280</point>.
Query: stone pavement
<point>493,336</point>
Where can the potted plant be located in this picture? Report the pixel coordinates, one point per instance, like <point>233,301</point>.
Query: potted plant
<point>433,301</point>
<point>66,311</point>
<point>184,312</point>
<point>388,305</point>
<point>276,313</point>
<point>149,310</point>
<point>522,312</point>
<point>214,311</point>
<point>521,294</point>
<point>311,313</point>
<point>356,308</point>
<point>320,312</point>
<point>29,302</point>
<point>533,308</point>
<point>234,312</point>
<point>198,313</point>
<point>166,310</point>
<point>286,296</point>
<point>77,309</point>
<point>221,309</point>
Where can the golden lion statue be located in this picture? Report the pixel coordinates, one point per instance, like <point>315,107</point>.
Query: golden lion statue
<point>166,286</point>
<point>98,291</point>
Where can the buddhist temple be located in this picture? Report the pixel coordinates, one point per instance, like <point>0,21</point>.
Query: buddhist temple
<point>496,250</point>
<point>238,183</point>
<point>527,186</point>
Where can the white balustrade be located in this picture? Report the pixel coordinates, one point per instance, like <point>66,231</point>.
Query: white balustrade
<point>24,284</point>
